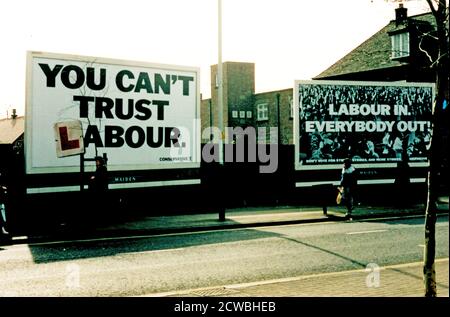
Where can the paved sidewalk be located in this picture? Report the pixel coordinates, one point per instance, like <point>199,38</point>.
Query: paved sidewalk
<point>256,217</point>
<point>236,218</point>
<point>403,280</point>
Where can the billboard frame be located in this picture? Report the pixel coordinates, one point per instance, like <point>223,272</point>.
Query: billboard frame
<point>299,166</point>
<point>29,138</point>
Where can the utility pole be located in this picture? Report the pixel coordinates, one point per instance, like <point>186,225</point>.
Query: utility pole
<point>278,118</point>
<point>210,120</point>
<point>220,114</point>
<point>220,80</point>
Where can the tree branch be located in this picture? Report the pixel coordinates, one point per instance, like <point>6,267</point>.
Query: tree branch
<point>426,53</point>
<point>442,56</point>
<point>431,5</point>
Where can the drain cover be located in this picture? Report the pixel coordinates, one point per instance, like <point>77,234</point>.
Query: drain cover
<point>214,292</point>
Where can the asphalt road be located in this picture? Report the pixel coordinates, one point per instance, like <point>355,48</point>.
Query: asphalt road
<point>154,264</point>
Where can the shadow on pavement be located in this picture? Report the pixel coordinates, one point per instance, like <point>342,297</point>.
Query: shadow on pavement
<point>353,261</point>
<point>69,250</point>
<point>362,265</point>
<point>66,251</point>
<point>441,217</point>
<point>417,277</point>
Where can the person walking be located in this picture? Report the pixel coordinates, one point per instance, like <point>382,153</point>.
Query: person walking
<point>348,185</point>
<point>98,188</point>
<point>99,181</point>
<point>3,202</point>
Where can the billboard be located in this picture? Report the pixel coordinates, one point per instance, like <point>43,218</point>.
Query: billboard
<point>372,123</point>
<point>143,116</point>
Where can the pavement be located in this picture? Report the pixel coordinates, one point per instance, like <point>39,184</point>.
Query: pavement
<point>234,219</point>
<point>403,280</point>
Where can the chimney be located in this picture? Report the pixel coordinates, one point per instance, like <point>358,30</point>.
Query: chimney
<point>14,114</point>
<point>401,14</point>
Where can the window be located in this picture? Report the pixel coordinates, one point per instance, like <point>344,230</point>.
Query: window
<point>234,114</point>
<point>262,136</point>
<point>262,112</point>
<point>242,114</point>
<point>400,45</point>
<point>249,114</point>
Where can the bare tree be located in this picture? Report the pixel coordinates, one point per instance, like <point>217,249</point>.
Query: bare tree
<point>440,64</point>
<point>439,10</point>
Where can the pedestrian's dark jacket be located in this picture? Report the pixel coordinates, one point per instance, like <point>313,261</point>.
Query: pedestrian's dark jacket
<point>100,181</point>
<point>349,177</point>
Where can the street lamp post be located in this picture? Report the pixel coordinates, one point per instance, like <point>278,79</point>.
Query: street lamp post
<point>279,120</point>
<point>220,113</point>
<point>220,78</point>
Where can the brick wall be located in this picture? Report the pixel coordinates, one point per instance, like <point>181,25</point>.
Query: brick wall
<point>286,120</point>
<point>239,95</point>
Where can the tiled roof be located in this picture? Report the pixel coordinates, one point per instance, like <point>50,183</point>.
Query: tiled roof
<point>11,129</point>
<point>373,54</point>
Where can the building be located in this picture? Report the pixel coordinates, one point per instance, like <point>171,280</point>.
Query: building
<point>243,108</point>
<point>238,94</point>
<point>395,53</point>
<point>399,52</point>
<point>404,50</point>
<point>12,161</point>
<point>11,144</point>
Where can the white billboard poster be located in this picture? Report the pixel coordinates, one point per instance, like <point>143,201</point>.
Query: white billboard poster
<point>142,115</point>
<point>373,123</point>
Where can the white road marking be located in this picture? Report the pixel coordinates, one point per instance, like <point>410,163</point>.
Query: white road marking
<point>212,230</point>
<point>156,235</point>
<point>149,252</point>
<point>368,231</point>
<point>19,238</point>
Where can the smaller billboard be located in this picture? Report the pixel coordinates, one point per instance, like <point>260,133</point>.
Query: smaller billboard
<point>373,123</point>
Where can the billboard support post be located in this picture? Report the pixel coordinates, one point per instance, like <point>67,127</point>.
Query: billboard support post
<point>81,172</point>
<point>278,118</point>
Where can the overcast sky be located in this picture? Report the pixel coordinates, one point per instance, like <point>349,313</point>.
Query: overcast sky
<point>287,39</point>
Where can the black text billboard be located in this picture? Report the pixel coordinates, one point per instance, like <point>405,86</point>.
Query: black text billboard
<point>143,116</point>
